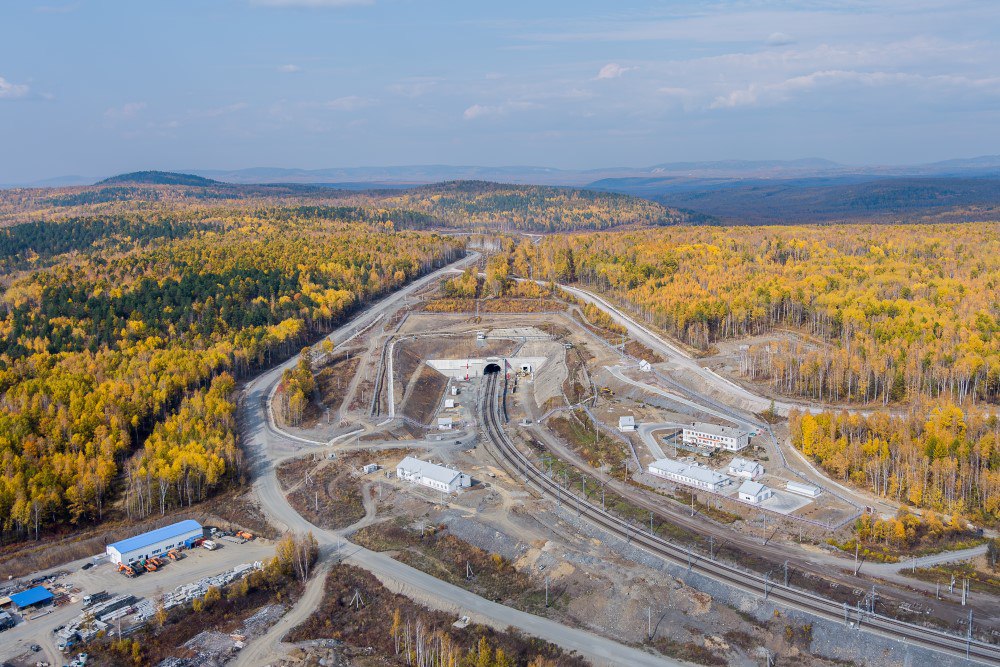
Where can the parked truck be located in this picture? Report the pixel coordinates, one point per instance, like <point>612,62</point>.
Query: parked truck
<point>94,598</point>
<point>210,545</point>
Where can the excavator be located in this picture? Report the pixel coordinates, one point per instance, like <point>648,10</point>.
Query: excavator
<point>126,570</point>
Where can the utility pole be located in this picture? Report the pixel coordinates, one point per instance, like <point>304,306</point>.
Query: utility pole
<point>968,642</point>
<point>651,522</point>
<point>786,573</point>
<point>603,507</point>
<point>711,547</point>
<point>649,622</point>
<point>546,592</point>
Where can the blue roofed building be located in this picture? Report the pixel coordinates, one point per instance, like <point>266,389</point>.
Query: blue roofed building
<point>154,543</point>
<point>32,597</point>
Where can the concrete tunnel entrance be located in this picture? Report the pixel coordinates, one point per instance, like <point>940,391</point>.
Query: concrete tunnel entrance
<point>491,368</point>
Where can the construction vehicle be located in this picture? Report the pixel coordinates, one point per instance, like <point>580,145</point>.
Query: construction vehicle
<point>174,554</point>
<point>210,545</point>
<point>127,570</point>
<point>607,391</point>
<point>246,535</point>
<point>150,567</point>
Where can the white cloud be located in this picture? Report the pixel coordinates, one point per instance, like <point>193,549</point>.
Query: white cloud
<point>289,69</point>
<point>348,103</point>
<point>779,39</point>
<point>758,94</point>
<point>10,90</point>
<point>613,71</point>
<point>483,110</point>
<point>479,110</point>
<point>311,3</point>
<point>124,112</point>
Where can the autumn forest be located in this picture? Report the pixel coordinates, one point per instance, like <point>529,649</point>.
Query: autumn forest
<point>131,313</point>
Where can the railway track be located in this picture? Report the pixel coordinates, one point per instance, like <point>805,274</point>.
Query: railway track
<point>522,466</point>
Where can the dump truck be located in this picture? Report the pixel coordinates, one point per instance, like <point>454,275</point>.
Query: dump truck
<point>245,534</point>
<point>173,554</point>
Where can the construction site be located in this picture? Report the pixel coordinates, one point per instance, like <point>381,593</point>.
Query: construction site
<point>600,416</point>
<point>557,466</point>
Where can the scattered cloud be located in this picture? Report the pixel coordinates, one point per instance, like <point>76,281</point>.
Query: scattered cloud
<point>348,103</point>
<point>10,90</point>
<point>779,39</point>
<point>125,112</point>
<point>289,69</point>
<point>311,4</point>
<point>760,94</point>
<point>485,110</point>
<point>613,71</point>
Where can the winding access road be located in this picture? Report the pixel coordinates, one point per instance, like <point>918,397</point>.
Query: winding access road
<point>265,446</point>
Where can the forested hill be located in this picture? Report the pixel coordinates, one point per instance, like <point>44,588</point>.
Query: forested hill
<point>482,204</point>
<point>473,205</point>
<point>157,178</point>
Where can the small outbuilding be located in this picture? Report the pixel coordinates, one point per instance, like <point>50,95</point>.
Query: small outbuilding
<point>800,489</point>
<point>33,597</point>
<point>745,468</point>
<point>444,423</point>
<point>626,423</point>
<point>754,492</point>
<point>449,402</point>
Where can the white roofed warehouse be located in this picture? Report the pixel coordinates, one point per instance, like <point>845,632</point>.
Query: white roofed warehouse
<point>154,543</point>
<point>432,475</point>
<point>689,475</point>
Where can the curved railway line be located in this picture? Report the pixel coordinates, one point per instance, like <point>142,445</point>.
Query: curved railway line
<point>522,466</point>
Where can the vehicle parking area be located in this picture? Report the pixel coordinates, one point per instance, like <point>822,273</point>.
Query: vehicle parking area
<point>39,627</point>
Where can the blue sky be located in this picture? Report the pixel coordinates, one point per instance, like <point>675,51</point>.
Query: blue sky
<point>97,87</point>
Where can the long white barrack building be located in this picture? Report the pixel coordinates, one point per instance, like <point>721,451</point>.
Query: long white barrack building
<point>689,475</point>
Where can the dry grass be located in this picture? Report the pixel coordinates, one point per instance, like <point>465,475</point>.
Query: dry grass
<point>445,556</point>
<point>369,625</point>
<point>326,493</point>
